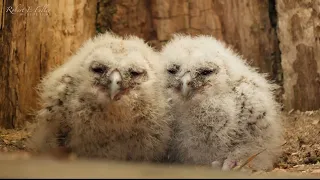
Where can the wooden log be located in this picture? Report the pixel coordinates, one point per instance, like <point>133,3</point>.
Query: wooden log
<point>36,36</point>
<point>299,34</point>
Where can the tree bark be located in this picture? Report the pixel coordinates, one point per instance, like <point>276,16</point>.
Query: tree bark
<point>34,41</point>
<point>246,25</point>
<point>299,34</point>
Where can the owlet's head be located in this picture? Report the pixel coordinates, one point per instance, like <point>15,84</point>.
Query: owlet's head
<point>193,67</point>
<point>117,68</point>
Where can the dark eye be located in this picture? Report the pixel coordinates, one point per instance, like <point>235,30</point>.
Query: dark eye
<point>174,69</point>
<point>206,72</point>
<point>134,73</point>
<point>99,70</point>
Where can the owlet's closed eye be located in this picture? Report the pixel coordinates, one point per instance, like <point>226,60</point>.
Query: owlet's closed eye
<point>173,69</point>
<point>205,71</point>
<point>135,73</point>
<point>98,68</point>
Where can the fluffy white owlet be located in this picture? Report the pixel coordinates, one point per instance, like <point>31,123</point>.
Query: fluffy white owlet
<point>105,102</point>
<point>224,110</point>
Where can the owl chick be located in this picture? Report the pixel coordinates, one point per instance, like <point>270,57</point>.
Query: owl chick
<point>105,102</point>
<point>224,110</point>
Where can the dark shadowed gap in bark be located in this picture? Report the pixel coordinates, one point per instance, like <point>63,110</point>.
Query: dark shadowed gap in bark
<point>277,73</point>
<point>153,37</point>
<point>104,14</point>
<point>7,107</point>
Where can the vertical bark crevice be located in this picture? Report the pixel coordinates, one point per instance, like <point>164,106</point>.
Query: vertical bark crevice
<point>7,106</point>
<point>152,39</point>
<point>277,73</point>
<point>2,11</point>
<point>273,13</point>
<point>105,11</point>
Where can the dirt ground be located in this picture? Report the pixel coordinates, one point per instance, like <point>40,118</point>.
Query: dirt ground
<point>301,152</point>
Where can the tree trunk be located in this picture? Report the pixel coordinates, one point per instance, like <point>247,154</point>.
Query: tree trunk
<point>125,17</point>
<point>246,25</point>
<point>35,37</point>
<point>299,34</point>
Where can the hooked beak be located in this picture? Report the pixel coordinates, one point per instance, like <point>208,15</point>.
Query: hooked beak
<point>115,81</point>
<point>186,84</point>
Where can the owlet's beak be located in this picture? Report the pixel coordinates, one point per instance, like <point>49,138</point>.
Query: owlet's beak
<point>115,83</point>
<point>186,87</point>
